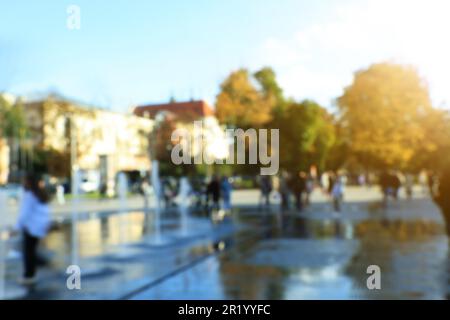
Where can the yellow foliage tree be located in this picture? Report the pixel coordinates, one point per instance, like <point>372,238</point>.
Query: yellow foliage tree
<point>240,104</point>
<point>383,113</point>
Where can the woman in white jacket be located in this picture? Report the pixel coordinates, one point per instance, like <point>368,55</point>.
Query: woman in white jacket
<point>34,221</point>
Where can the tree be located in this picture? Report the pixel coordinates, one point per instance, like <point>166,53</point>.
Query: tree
<point>338,154</point>
<point>270,90</point>
<point>14,129</point>
<point>382,113</point>
<point>12,119</point>
<point>240,104</point>
<point>431,153</point>
<point>307,134</point>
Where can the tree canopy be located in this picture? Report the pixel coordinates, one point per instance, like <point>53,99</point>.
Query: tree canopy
<point>307,130</point>
<point>307,134</point>
<point>383,113</point>
<point>12,120</point>
<point>241,104</point>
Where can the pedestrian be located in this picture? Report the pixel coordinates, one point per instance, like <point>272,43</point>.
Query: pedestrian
<point>309,189</point>
<point>298,187</point>
<point>226,188</point>
<point>266,188</point>
<point>33,222</point>
<point>423,181</point>
<point>362,180</point>
<point>409,184</point>
<point>337,193</point>
<point>331,179</point>
<point>385,186</point>
<point>395,185</point>
<point>213,192</point>
<point>60,194</point>
<point>324,181</point>
<point>284,191</point>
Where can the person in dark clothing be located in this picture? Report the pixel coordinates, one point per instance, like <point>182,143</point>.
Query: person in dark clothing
<point>395,185</point>
<point>266,189</point>
<point>385,186</point>
<point>213,191</point>
<point>331,179</point>
<point>284,190</point>
<point>298,187</point>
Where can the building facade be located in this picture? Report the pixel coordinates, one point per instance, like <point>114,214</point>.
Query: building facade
<point>97,142</point>
<point>198,119</point>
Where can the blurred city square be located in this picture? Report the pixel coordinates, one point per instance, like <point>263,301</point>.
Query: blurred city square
<point>224,150</point>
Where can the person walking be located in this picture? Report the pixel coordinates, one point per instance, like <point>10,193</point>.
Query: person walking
<point>384,181</point>
<point>33,222</point>
<point>409,185</point>
<point>226,188</point>
<point>298,187</point>
<point>395,184</point>
<point>324,181</point>
<point>284,191</point>
<point>331,179</point>
<point>309,186</point>
<point>337,193</point>
<point>266,188</point>
<point>213,192</point>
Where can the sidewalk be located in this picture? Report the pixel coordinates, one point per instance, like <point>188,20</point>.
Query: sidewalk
<point>240,198</point>
<point>120,257</point>
<point>117,269</point>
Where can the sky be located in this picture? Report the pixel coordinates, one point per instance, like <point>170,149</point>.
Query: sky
<point>128,53</point>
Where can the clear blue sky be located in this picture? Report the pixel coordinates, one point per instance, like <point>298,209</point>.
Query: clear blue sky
<point>134,52</point>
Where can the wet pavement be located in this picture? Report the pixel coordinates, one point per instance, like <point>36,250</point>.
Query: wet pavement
<point>315,259</point>
<point>253,254</point>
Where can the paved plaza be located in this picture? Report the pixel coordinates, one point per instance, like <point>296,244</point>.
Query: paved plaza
<point>252,253</point>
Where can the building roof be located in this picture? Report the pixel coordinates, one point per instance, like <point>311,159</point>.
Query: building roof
<point>78,105</point>
<point>191,109</point>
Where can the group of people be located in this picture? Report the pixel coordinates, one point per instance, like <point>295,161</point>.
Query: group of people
<point>34,215</point>
<point>301,186</point>
<point>217,190</point>
<point>390,185</point>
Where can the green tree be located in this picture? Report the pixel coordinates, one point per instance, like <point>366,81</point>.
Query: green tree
<point>12,119</point>
<point>14,129</point>
<point>270,89</point>
<point>307,134</point>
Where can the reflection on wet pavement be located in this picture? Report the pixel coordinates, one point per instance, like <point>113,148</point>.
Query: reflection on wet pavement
<point>254,255</point>
<point>301,258</point>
